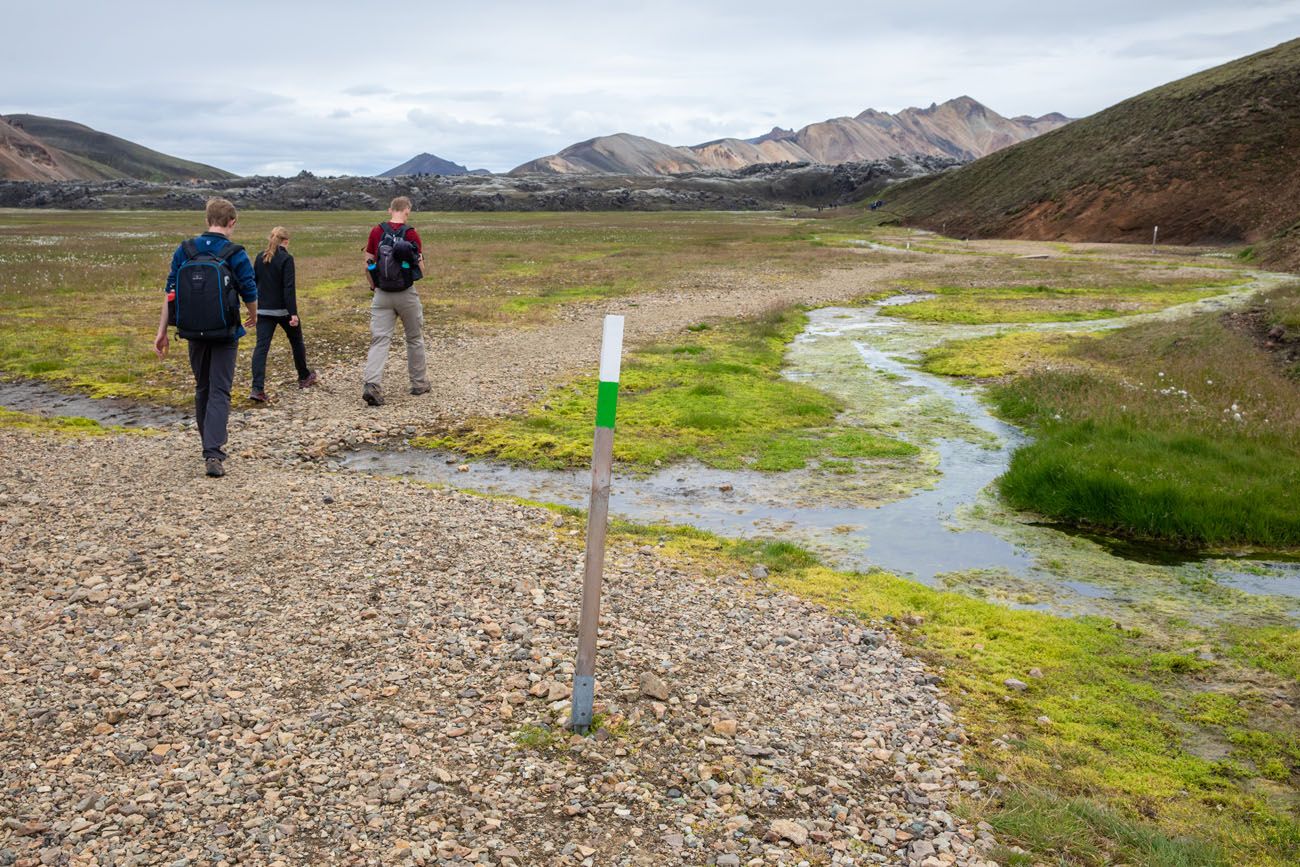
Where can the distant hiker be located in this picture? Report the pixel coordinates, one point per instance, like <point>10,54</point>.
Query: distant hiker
<point>277,301</point>
<point>209,276</point>
<point>394,256</point>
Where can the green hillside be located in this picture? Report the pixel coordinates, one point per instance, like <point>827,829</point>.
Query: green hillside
<point>104,155</point>
<point>1211,158</point>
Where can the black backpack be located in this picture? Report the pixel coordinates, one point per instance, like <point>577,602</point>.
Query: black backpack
<point>395,262</point>
<point>206,303</point>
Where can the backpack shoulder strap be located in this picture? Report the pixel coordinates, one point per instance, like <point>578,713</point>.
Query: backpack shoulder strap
<point>229,251</point>
<point>189,248</point>
<point>401,233</point>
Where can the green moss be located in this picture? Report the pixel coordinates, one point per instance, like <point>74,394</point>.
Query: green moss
<point>980,305</point>
<point>1112,764</point>
<point>717,397</point>
<point>996,355</point>
<point>66,425</point>
<point>1271,648</point>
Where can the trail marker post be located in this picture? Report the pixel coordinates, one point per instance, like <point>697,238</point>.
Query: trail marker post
<point>602,460</point>
<point>1155,232</point>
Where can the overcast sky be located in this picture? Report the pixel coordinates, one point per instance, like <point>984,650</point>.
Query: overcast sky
<point>345,87</point>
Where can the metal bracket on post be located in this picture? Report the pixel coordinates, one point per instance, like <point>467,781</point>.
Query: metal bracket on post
<point>584,698</point>
<point>602,460</point>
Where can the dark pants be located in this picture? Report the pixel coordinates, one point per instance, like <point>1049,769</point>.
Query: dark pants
<point>214,372</point>
<point>266,326</point>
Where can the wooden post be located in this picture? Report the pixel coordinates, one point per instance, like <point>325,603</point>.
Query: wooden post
<point>602,460</point>
<point>1155,232</point>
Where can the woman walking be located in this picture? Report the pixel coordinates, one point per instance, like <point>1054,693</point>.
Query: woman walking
<point>277,307</point>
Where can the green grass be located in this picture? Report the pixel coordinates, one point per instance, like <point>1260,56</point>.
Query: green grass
<point>79,291</point>
<point>717,397</point>
<point>1184,432</point>
<point>1116,776</point>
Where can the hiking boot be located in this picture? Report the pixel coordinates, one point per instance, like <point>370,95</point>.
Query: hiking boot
<point>215,468</point>
<point>372,395</point>
<point>421,389</point>
<point>259,395</point>
<point>309,380</point>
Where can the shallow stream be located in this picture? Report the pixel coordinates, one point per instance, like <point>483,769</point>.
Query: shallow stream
<point>932,518</point>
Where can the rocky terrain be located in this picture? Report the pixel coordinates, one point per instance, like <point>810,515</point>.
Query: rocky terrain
<point>961,129</point>
<point>752,188</point>
<point>297,665</point>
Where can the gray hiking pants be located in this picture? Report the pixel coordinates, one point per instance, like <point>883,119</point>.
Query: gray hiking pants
<point>214,373</point>
<point>385,309</point>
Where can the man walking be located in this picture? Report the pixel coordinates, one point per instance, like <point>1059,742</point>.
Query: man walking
<point>394,256</point>
<point>208,278</point>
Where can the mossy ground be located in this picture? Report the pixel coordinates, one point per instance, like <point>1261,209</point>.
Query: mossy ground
<point>998,354</point>
<point>979,305</point>
<point>716,396</point>
<point>64,425</point>
<point>1120,773</point>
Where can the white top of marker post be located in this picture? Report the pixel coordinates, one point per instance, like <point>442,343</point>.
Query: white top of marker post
<point>611,349</point>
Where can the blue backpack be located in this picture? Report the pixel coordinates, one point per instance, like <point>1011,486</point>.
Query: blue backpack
<point>205,304</point>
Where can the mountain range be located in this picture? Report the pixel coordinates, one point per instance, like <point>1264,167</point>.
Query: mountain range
<point>1210,158</point>
<point>36,148</point>
<point>961,128</point>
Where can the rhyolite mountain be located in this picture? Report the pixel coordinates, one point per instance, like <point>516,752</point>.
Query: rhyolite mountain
<point>1210,158</point>
<point>39,148</point>
<point>960,128</point>
<point>429,164</point>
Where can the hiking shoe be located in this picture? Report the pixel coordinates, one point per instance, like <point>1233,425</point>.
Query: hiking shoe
<point>420,389</point>
<point>215,468</point>
<point>258,395</point>
<point>372,395</point>
<point>309,380</point>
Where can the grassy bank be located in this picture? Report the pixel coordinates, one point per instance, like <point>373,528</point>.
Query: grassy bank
<point>1124,750</point>
<point>1187,432</point>
<point>716,396</point>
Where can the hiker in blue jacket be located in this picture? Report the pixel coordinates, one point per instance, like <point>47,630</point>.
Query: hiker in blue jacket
<point>214,342</point>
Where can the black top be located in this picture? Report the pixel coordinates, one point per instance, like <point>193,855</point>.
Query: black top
<point>275,286</point>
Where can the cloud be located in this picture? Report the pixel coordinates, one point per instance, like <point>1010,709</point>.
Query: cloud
<point>494,85</point>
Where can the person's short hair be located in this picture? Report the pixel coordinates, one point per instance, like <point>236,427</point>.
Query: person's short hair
<point>401,203</point>
<point>220,212</point>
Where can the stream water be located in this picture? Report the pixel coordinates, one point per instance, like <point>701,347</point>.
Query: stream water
<point>31,396</point>
<point>931,519</point>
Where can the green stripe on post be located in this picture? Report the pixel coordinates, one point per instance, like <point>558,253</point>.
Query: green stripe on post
<point>606,401</point>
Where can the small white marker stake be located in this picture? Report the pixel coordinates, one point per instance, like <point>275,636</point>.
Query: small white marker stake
<point>602,461</point>
<point>1155,232</point>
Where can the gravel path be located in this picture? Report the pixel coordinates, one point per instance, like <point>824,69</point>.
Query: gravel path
<point>293,665</point>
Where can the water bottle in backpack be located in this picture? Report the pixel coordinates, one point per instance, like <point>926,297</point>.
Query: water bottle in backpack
<point>396,261</point>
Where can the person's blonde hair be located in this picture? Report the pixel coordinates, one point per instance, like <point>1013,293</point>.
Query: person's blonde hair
<point>401,203</point>
<point>220,212</point>
<point>278,234</point>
